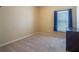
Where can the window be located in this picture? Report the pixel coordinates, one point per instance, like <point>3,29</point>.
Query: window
<point>78,17</point>
<point>63,20</point>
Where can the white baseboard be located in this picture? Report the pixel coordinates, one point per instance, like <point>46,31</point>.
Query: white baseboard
<point>53,34</point>
<point>43,33</point>
<point>9,42</point>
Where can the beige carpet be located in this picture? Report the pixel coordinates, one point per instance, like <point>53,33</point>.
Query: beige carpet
<point>37,43</point>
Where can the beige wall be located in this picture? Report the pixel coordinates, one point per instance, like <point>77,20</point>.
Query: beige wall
<point>17,22</point>
<point>0,28</point>
<point>47,18</point>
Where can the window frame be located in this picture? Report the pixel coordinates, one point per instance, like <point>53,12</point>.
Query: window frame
<point>69,20</point>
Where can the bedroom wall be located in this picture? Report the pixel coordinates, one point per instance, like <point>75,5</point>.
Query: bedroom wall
<point>0,28</point>
<point>46,24</point>
<point>16,22</point>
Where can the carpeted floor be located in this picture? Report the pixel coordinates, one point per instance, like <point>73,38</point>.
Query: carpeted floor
<point>37,43</point>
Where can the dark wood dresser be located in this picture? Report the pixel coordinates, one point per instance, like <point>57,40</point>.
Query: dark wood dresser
<point>72,41</point>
